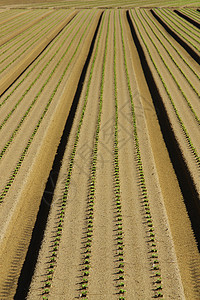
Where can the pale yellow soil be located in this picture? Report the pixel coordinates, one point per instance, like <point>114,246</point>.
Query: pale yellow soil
<point>180,226</point>
<point>22,65</point>
<point>14,33</point>
<point>31,181</point>
<point>138,269</point>
<point>179,96</point>
<point>189,35</point>
<point>178,255</point>
<point>13,17</point>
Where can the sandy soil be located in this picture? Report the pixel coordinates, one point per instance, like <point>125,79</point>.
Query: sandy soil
<point>32,183</point>
<point>173,208</point>
<point>180,91</point>
<point>22,65</point>
<point>17,32</point>
<point>174,239</point>
<point>12,18</point>
<point>138,272</point>
<point>191,35</point>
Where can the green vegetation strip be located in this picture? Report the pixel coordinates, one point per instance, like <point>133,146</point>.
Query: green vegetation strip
<point>35,65</point>
<point>31,36</point>
<point>185,37</point>
<point>22,157</point>
<point>149,222</point>
<point>92,183</point>
<point>190,28</point>
<point>190,13</point>
<point>91,194</point>
<point>172,45</point>
<point>168,68</point>
<point>40,91</point>
<point>184,129</point>
<point>33,83</point>
<point>30,45</point>
<point>24,19</point>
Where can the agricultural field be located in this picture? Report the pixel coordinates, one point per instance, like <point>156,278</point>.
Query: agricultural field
<point>99,150</point>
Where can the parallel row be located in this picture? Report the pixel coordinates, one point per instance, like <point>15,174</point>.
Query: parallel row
<point>12,90</point>
<point>19,41</point>
<point>143,194</point>
<point>184,29</point>
<point>6,14</point>
<point>62,216</point>
<point>11,59</point>
<point>181,105</point>
<point>99,261</point>
<point>8,27</point>
<point>43,117</point>
<point>183,86</point>
<point>103,3</point>
<point>43,108</point>
<point>191,13</point>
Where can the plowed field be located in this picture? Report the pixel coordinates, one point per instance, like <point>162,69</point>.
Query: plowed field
<point>99,151</point>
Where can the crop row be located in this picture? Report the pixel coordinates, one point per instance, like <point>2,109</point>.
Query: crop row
<point>172,45</point>
<point>4,15</point>
<point>150,36</point>
<point>144,192</point>
<point>18,23</point>
<point>35,80</point>
<point>184,34</point>
<point>17,37</point>
<point>31,44</point>
<point>39,26</point>
<point>61,213</point>
<point>117,194</point>
<point>92,179</point>
<point>191,13</point>
<point>36,64</point>
<point>14,22</point>
<point>41,89</point>
<point>181,23</point>
<point>184,129</point>
<point>22,157</point>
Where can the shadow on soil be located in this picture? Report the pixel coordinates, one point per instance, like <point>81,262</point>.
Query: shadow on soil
<point>190,20</point>
<point>39,228</point>
<point>184,44</point>
<point>187,186</point>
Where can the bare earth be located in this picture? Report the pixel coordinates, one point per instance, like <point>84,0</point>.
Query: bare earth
<point>140,244</point>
